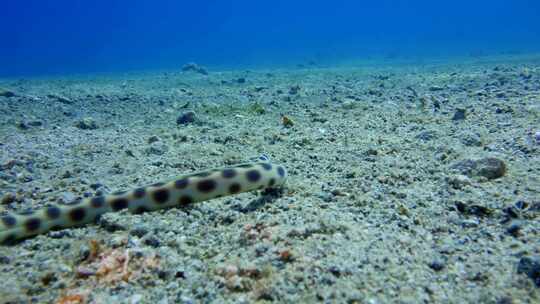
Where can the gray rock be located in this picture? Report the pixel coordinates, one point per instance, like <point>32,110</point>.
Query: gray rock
<point>23,125</point>
<point>426,135</point>
<point>469,223</point>
<point>489,167</point>
<point>67,197</point>
<point>7,177</point>
<point>157,148</point>
<point>505,300</point>
<point>6,93</point>
<point>471,140</point>
<point>460,114</point>
<point>35,123</point>
<point>61,99</point>
<point>186,118</point>
<point>86,123</point>
<point>458,181</point>
<point>531,267</point>
<point>8,198</point>
<point>470,208</point>
<point>193,67</point>
<point>465,167</point>
<point>106,223</point>
<point>24,178</point>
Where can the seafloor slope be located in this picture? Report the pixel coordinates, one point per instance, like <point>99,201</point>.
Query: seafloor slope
<point>410,184</point>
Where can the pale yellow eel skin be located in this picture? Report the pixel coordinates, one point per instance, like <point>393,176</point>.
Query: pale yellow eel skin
<point>184,190</point>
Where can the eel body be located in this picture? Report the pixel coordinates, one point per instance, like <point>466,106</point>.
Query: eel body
<point>184,190</point>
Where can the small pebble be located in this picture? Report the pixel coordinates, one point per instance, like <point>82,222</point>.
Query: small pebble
<point>335,271</point>
<point>294,90</point>
<point>436,88</point>
<point>153,139</point>
<point>138,231</point>
<point>152,241</point>
<point>514,229</point>
<point>8,198</point>
<point>4,259</point>
<point>110,226</point>
<point>286,121</point>
<point>96,186</point>
<point>437,265</point>
<point>83,272</point>
<point>505,300</point>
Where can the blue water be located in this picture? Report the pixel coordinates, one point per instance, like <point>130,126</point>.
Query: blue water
<point>75,36</point>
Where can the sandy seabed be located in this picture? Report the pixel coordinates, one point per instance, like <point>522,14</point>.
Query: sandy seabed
<point>408,184</point>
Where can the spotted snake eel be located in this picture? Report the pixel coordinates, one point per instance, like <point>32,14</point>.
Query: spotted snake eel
<point>182,191</point>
